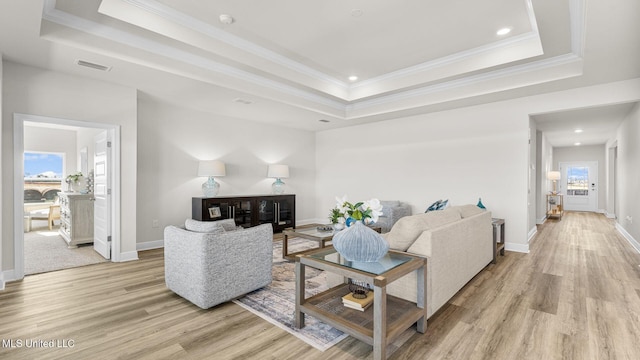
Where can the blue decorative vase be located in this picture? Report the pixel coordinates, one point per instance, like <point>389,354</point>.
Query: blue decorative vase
<point>360,243</point>
<point>480,204</point>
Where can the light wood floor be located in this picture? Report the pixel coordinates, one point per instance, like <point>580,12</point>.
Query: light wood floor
<point>575,296</point>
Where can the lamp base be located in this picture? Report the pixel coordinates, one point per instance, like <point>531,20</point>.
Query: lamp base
<point>277,187</point>
<point>210,187</point>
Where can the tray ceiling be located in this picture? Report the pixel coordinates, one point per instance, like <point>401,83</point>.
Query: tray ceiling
<point>406,54</point>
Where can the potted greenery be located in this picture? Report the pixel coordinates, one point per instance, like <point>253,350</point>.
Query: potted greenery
<point>72,181</point>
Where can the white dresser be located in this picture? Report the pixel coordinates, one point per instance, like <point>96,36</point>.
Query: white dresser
<point>76,218</point>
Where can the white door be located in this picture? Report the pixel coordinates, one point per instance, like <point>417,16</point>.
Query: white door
<point>102,195</point>
<point>579,184</point>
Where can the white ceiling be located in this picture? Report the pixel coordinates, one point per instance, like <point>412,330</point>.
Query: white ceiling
<point>597,124</point>
<point>291,59</point>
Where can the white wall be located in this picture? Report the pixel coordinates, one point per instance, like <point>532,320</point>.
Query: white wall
<point>544,164</point>
<point>628,176</point>
<point>173,139</point>
<point>86,138</point>
<point>35,91</point>
<point>585,153</point>
<point>532,178</point>
<point>460,154</point>
<point>1,177</point>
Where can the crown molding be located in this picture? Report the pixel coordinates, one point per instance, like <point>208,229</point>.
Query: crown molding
<point>532,69</point>
<point>425,72</point>
<point>50,13</point>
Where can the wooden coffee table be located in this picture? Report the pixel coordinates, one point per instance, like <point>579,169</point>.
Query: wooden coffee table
<point>321,237</point>
<point>311,233</point>
<point>382,322</point>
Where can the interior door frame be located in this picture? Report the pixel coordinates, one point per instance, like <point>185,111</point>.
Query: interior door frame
<point>18,182</point>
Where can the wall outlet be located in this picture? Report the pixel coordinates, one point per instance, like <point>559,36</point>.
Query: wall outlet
<point>155,223</point>
<point>629,219</point>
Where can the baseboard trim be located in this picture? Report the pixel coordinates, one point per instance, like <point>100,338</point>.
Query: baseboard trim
<point>532,234</point>
<point>148,245</point>
<point>521,248</point>
<point>312,221</point>
<point>6,277</point>
<point>630,239</point>
<point>541,221</point>
<point>128,256</point>
<point>609,215</point>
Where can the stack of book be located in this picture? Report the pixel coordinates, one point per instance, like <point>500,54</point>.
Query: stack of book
<point>358,304</point>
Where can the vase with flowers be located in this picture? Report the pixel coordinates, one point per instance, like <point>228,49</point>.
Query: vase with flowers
<point>365,211</point>
<point>358,242</point>
<point>72,181</point>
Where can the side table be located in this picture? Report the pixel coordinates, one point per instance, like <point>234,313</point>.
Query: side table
<point>498,245</point>
<point>381,323</point>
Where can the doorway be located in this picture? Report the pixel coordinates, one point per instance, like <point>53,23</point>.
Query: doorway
<point>579,184</point>
<point>19,133</point>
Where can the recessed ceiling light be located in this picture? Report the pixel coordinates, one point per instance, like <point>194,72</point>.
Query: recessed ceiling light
<point>226,19</point>
<point>576,144</point>
<point>357,12</point>
<point>578,131</point>
<point>504,31</point>
<point>243,101</point>
<point>353,78</point>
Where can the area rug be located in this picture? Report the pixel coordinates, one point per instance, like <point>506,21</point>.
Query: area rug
<point>45,250</point>
<point>276,302</point>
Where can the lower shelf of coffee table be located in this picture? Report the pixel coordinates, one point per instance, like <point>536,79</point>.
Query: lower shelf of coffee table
<point>327,307</point>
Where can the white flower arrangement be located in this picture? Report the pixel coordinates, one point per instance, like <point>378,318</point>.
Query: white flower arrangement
<point>368,211</point>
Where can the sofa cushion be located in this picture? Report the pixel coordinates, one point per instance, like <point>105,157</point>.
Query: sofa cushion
<point>468,210</point>
<point>408,229</point>
<point>213,227</point>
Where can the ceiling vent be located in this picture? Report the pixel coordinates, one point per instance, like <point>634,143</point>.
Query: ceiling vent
<point>93,65</point>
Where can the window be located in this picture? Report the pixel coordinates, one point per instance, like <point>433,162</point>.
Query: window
<point>42,176</point>
<point>578,181</point>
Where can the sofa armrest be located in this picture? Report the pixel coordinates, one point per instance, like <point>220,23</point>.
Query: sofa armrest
<point>456,252</point>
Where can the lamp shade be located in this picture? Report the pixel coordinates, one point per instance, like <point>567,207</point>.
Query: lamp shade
<point>277,171</point>
<point>211,168</point>
<point>553,175</point>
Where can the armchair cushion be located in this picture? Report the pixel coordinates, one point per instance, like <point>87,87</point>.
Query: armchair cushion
<point>212,227</point>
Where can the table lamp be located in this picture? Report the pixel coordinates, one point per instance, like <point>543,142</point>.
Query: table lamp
<point>211,168</point>
<point>278,172</point>
<point>555,176</point>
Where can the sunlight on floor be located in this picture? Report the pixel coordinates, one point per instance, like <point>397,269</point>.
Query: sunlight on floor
<point>47,233</point>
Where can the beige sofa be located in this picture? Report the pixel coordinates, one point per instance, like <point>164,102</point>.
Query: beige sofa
<point>457,242</point>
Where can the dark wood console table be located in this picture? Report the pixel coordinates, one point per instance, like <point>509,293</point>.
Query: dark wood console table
<point>278,210</point>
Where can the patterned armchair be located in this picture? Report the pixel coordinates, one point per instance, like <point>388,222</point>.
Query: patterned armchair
<point>208,264</point>
<point>392,211</point>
